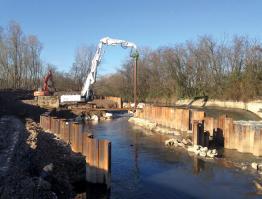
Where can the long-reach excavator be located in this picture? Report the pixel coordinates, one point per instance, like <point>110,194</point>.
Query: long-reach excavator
<point>86,92</point>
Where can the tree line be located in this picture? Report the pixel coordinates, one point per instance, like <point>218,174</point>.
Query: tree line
<point>21,66</point>
<point>74,79</point>
<point>230,69</point>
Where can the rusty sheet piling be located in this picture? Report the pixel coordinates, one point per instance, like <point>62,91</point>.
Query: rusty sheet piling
<point>57,126</point>
<point>223,131</point>
<point>257,150</point>
<point>200,137</point>
<point>178,116</point>
<point>52,124</point>
<point>45,122</point>
<point>67,132</point>
<point>197,115</point>
<point>228,131</point>
<point>209,125</point>
<point>97,152</point>
<point>196,133</point>
<point>62,129</point>
<point>185,120</point>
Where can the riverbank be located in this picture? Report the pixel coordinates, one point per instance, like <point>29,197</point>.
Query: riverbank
<point>252,106</point>
<point>204,132</point>
<point>39,164</point>
<point>244,163</point>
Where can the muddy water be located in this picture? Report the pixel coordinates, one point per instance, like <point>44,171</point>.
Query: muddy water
<point>142,167</point>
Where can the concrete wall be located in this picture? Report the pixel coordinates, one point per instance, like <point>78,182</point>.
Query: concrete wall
<point>118,100</point>
<point>48,101</point>
<point>253,106</point>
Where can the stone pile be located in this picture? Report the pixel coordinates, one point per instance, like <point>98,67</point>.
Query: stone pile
<point>202,151</point>
<point>144,123</point>
<point>256,166</point>
<point>94,117</point>
<point>132,105</point>
<point>178,143</point>
<point>196,149</point>
<point>152,126</point>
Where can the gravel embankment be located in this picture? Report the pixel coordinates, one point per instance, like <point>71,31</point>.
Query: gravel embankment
<point>39,165</point>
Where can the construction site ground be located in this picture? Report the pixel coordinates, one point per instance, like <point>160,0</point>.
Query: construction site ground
<point>33,163</point>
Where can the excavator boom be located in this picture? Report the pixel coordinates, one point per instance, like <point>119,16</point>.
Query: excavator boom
<point>91,77</point>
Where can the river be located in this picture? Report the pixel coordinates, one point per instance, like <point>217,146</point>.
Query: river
<point>142,167</point>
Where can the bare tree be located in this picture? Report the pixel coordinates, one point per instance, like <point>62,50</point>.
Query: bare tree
<point>34,64</point>
<point>222,70</point>
<point>82,64</point>
<point>15,49</point>
<point>20,63</point>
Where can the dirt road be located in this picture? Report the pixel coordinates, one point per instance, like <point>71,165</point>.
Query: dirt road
<point>10,130</point>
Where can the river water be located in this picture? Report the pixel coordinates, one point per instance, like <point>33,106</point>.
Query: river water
<point>142,167</point>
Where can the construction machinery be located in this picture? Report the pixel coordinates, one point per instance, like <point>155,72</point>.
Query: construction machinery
<point>48,86</point>
<point>86,92</point>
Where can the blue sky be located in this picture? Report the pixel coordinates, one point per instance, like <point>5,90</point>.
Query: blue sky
<point>64,25</point>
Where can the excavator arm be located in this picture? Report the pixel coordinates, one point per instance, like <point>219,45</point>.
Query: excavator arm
<point>91,77</point>
<point>48,86</point>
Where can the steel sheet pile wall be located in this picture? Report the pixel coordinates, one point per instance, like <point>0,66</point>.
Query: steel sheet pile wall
<point>200,137</point>
<point>210,125</point>
<point>243,136</point>
<point>166,116</point>
<point>246,137</point>
<point>97,152</point>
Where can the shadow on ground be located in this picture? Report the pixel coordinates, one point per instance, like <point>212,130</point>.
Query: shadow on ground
<point>35,149</point>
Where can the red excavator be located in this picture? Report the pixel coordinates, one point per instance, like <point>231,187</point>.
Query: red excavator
<point>48,87</point>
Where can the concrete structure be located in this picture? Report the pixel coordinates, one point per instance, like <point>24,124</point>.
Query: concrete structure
<point>117,100</point>
<point>253,106</point>
<point>48,101</point>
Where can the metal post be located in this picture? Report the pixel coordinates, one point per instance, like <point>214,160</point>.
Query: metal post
<point>135,82</point>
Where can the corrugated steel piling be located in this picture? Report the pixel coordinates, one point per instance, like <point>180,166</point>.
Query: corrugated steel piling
<point>97,152</point>
<point>242,136</point>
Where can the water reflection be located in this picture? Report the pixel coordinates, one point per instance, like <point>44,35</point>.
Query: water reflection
<point>198,165</point>
<point>142,167</point>
<point>91,191</point>
<point>136,152</point>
